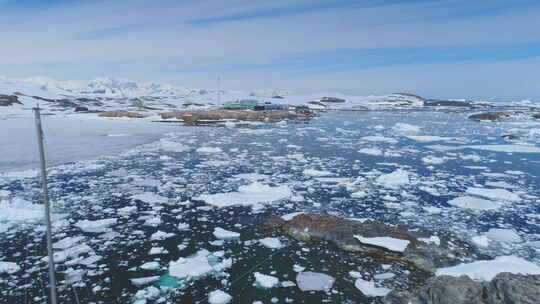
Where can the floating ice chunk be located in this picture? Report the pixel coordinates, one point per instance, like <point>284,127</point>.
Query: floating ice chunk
<point>254,177</point>
<point>426,138</point>
<point>471,202</point>
<point>157,251</point>
<point>505,148</point>
<point>221,233</point>
<point>160,235</point>
<point>384,276</point>
<point>98,226</point>
<point>359,194</point>
<point>144,281</point>
<point>394,180</point>
<point>167,144</point>
<point>308,281</point>
<point>369,289</point>
<point>355,274</point>
<point>219,297</point>
<point>503,235</point>
<point>481,240</point>
<point>487,270</point>
<point>209,150</point>
<point>270,242</point>
<point>389,243</point>
<point>298,268</point>
<point>313,172</point>
<point>288,284</point>
<point>380,139</point>
<point>433,160</point>
<point>199,265</point>
<point>371,151</point>
<point>91,261</point>
<point>67,242</point>
<point>404,128</point>
<point>19,210</point>
<point>9,267</point>
<point>150,266</point>
<point>265,281</point>
<point>183,226</point>
<point>149,197</point>
<point>494,194</point>
<point>127,210</point>
<point>252,194</point>
<point>290,216</point>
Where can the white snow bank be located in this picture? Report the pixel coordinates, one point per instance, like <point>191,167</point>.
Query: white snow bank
<point>394,180</point>
<point>252,194</point>
<point>487,270</point>
<point>389,243</point>
<point>369,289</point>
<point>221,233</point>
<point>308,281</point>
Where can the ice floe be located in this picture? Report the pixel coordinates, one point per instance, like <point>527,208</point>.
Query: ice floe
<point>248,195</point>
<point>487,270</point>
<point>308,281</point>
<point>369,289</point>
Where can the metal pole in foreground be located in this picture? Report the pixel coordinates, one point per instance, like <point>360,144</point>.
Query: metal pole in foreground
<point>52,276</point>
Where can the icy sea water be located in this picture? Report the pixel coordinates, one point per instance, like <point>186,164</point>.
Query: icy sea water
<point>338,163</point>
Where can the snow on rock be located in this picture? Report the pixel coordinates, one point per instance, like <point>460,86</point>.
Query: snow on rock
<point>494,194</point>
<point>98,226</point>
<point>19,210</point>
<point>471,202</point>
<point>308,281</point>
<point>9,267</point>
<point>389,243</point>
<point>199,265</point>
<point>219,297</point>
<point>394,180</point>
<point>503,235</point>
<point>221,233</point>
<point>369,289</point>
<point>265,281</point>
<point>270,242</point>
<point>289,216</point>
<point>248,195</point>
<point>487,270</point>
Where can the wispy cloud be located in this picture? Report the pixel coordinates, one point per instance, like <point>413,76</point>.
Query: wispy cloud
<point>262,40</point>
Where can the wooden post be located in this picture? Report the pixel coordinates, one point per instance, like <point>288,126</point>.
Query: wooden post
<point>52,276</point>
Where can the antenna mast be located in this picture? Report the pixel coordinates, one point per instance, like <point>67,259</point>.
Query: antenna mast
<point>52,278</point>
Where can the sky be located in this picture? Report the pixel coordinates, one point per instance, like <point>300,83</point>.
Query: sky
<point>435,48</point>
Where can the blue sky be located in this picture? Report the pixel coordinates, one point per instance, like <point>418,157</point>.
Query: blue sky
<point>438,48</point>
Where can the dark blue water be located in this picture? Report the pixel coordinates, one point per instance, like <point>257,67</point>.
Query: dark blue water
<point>282,153</point>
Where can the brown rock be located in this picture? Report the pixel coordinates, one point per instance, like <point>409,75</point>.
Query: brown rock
<point>121,114</point>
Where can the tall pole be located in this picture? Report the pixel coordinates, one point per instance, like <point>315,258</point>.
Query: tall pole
<point>52,277</point>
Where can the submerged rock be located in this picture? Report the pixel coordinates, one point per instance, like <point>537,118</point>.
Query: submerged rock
<point>395,243</point>
<point>504,288</point>
<point>510,137</point>
<point>490,116</point>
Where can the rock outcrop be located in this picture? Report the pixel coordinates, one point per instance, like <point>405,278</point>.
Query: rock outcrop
<point>201,116</point>
<point>446,103</point>
<point>423,250</point>
<point>121,114</point>
<point>490,116</point>
<point>537,116</point>
<point>9,100</point>
<point>505,288</point>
